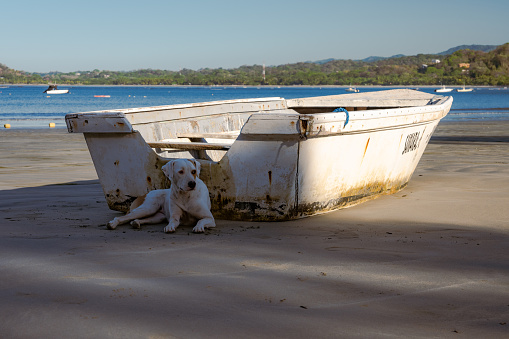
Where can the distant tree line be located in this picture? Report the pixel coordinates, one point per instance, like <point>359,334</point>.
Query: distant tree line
<point>470,67</point>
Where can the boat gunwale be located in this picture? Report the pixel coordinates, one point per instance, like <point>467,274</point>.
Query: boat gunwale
<point>365,116</point>
<point>134,110</point>
<point>436,105</point>
<point>328,101</point>
<point>369,113</point>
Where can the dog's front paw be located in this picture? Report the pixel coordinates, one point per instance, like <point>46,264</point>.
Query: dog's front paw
<point>198,229</point>
<point>111,225</point>
<point>170,228</point>
<point>201,228</point>
<point>203,224</point>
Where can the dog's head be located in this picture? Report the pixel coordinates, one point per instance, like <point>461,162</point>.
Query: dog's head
<point>182,173</point>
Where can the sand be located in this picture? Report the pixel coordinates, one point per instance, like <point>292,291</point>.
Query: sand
<point>429,261</point>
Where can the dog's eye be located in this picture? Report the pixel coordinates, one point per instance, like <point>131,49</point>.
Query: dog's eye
<point>193,172</point>
<point>181,172</point>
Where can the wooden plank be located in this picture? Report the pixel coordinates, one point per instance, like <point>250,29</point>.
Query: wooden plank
<point>191,146</point>
<point>207,135</point>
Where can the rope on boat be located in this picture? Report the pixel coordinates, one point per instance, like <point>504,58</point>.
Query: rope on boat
<point>341,109</point>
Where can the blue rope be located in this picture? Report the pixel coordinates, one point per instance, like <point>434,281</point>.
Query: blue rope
<point>341,109</point>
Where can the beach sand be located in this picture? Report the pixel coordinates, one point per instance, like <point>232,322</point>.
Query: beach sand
<point>429,261</point>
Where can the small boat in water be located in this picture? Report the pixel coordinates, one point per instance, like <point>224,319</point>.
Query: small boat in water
<point>53,89</point>
<point>267,159</point>
<point>443,89</point>
<point>352,89</point>
<point>463,89</point>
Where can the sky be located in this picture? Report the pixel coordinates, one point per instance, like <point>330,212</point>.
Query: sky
<point>77,35</point>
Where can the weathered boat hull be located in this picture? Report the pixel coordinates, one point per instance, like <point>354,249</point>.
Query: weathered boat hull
<point>288,159</point>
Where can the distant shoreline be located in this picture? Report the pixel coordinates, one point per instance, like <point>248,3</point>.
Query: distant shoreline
<point>264,86</point>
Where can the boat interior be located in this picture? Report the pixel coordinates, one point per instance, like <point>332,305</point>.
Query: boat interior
<point>208,130</point>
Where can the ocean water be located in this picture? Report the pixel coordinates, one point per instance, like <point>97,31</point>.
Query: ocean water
<point>29,107</point>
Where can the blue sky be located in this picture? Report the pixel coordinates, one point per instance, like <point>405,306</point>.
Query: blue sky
<point>42,36</point>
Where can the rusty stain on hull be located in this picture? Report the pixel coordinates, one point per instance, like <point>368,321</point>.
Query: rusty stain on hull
<point>252,211</point>
<point>365,150</point>
<point>351,198</point>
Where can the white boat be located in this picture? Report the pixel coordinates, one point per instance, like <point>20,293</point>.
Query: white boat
<point>443,89</point>
<point>53,89</point>
<point>270,158</point>
<point>463,89</point>
<point>352,89</point>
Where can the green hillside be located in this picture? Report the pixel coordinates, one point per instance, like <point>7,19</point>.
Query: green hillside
<point>472,67</point>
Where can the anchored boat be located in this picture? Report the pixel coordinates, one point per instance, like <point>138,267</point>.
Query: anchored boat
<point>268,158</point>
<point>53,89</point>
<point>352,89</point>
<point>463,89</point>
<point>443,89</point>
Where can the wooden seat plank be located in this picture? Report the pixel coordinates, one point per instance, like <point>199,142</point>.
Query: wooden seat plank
<point>207,135</point>
<point>188,146</point>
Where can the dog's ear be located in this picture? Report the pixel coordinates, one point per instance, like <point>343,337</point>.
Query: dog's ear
<point>168,169</point>
<point>197,165</point>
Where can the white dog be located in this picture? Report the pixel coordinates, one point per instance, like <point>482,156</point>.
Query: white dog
<point>186,201</point>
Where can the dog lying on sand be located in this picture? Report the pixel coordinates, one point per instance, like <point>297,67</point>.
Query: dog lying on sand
<point>187,201</point>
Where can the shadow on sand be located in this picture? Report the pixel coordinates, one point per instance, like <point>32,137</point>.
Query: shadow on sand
<point>65,275</point>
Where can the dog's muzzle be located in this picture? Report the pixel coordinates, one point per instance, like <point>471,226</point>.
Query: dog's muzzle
<point>191,184</point>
